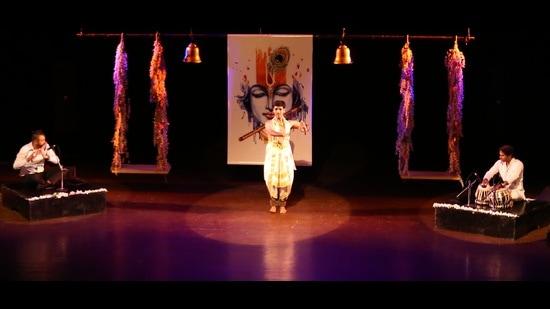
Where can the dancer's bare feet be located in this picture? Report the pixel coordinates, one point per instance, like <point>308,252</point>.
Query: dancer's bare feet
<point>282,210</point>
<point>273,209</point>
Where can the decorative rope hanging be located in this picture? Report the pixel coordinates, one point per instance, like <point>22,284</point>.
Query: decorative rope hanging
<point>158,96</point>
<point>405,118</point>
<point>121,107</point>
<point>455,62</point>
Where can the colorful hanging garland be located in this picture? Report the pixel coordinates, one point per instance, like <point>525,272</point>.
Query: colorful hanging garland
<point>158,96</point>
<point>405,118</point>
<point>121,107</point>
<point>455,62</point>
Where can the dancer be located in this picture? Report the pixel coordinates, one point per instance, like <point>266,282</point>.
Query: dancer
<point>279,162</point>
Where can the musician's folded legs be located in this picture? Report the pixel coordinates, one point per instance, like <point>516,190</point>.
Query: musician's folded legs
<point>44,184</point>
<point>53,175</point>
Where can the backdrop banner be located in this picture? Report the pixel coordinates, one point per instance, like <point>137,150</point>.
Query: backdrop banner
<point>260,70</point>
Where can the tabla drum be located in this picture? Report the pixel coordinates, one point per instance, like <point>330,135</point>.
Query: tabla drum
<point>500,199</point>
<point>482,195</point>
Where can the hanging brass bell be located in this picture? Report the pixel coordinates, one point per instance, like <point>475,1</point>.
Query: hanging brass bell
<point>192,54</point>
<point>342,55</point>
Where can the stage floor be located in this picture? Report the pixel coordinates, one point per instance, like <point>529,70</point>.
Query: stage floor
<point>200,229</point>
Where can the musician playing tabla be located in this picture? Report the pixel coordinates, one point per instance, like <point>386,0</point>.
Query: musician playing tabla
<point>510,170</point>
<point>279,163</point>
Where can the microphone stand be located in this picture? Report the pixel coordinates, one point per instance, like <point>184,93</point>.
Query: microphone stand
<point>469,189</point>
<point>470,184</point>
<point>61,188</point>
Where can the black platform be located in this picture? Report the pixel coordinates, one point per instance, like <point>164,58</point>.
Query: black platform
<point>512,223</point>
<point>78,198</point>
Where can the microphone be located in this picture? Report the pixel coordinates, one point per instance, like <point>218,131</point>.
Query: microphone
<point>52,147</point>
<point>480,180</point>
<point>475,174</point>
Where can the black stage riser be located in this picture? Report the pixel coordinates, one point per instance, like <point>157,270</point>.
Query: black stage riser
<point>78,198</point>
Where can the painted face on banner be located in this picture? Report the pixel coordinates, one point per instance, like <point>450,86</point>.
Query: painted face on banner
<point>271,84</point>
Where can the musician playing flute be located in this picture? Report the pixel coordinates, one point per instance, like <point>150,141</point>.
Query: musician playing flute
<point>31,160</point>
<point>279,163</point>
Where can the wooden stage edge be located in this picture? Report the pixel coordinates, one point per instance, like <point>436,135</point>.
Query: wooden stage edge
<point>433,175</point>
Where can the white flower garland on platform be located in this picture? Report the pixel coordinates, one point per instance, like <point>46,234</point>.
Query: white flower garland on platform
<point>65,194</point>
<point>485,211</point>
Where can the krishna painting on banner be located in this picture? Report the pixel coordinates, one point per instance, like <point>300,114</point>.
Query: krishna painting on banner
<point>262,69</point>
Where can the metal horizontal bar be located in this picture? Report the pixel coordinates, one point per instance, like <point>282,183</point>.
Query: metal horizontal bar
<point>466,38</point>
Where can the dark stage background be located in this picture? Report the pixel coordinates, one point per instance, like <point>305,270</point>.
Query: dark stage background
<point>59,82</point>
